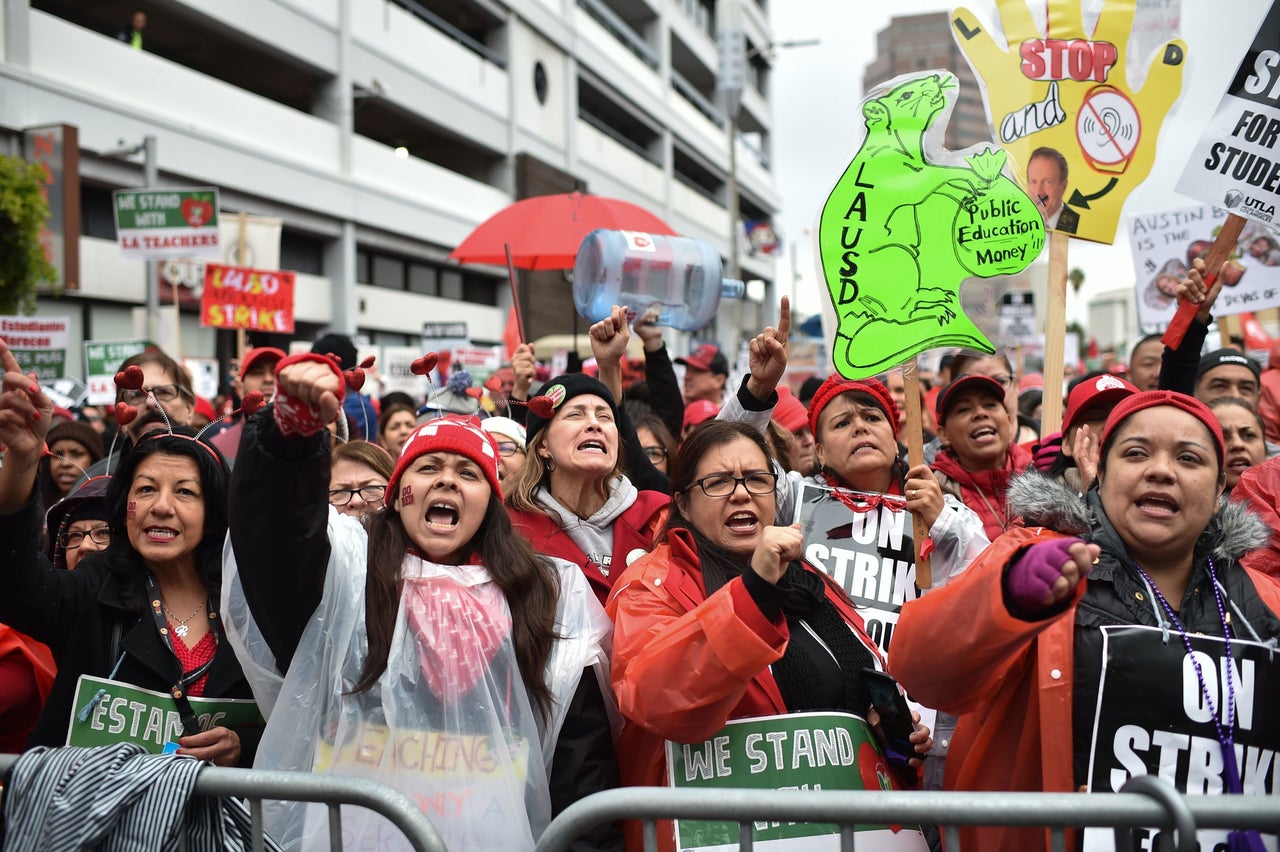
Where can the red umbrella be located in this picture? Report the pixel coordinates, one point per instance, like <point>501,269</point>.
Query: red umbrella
<point>544,232</point>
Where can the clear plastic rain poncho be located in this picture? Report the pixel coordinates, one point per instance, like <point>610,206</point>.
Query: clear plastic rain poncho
<point>449,723</point>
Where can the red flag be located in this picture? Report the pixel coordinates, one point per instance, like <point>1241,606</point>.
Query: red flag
<point>1255,336</point>
<point>511,334</point>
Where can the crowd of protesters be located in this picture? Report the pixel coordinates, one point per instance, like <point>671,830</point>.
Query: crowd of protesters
<point>586,566</point>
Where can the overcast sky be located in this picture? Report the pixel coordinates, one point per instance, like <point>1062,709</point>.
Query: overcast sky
<point>818,91</point>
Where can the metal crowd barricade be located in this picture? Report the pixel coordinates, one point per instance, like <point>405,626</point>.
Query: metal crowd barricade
<point>334,791</point>
<point>1148,802</point>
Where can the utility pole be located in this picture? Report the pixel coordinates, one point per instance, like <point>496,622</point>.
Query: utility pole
<point>150,180</point>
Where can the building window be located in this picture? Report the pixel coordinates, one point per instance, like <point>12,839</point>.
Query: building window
<point>424,280</point>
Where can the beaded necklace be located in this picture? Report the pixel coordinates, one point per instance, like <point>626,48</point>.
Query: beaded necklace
<point>1226,737</point>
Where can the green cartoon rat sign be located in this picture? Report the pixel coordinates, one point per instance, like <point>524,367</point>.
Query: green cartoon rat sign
<point>908,221</point>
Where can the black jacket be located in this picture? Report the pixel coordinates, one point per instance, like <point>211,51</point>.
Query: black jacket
<point>279,521</point>
<point>83,618</point>
<point>1115,593</point>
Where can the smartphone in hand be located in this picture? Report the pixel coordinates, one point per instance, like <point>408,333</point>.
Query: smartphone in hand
<point>895,719</point>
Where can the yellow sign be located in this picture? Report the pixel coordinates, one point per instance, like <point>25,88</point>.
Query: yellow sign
<point>367,747</point>
<point>1062,105</point>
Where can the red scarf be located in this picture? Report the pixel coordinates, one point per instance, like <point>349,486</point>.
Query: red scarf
<point>983,491</point>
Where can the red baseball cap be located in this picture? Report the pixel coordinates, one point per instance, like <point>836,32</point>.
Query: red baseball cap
<point>968,381</point>
<point>257,354</point>
<point>1103,391</point>
<point>699,411</point>
<point>706,357</point>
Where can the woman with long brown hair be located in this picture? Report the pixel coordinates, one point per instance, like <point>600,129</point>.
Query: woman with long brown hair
<point>435,652</point>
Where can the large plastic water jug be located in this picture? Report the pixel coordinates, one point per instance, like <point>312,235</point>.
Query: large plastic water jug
<point>682,278</point>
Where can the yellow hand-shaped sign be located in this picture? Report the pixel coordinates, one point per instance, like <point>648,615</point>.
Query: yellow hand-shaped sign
<point>1061,105</point>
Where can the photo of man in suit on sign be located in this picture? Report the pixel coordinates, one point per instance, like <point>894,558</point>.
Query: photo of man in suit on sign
<point>1047,183</point>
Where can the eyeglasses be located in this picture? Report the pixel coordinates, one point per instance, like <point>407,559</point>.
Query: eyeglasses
<point>73,539</point>
<point>368,493</point>
<point>163,393</point>
<point>507,449</point>
<point>1005,380</point>
<point>656,453</point>
<point>723,485</point>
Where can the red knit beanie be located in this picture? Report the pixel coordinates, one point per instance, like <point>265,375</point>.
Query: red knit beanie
<point>1150,399</point>
<point>461,435</point>
<point>836,385</point>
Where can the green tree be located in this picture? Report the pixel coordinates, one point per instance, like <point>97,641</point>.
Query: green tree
<point>1076,277</point>
<point>23,212</point>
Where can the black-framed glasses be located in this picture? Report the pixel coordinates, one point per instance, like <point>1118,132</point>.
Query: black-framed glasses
<point>74,538</point>
<point>507,449</point>
<point>656,453</point>
<point>163,393</point>
<point>723,485</point>
<point>368,493</point>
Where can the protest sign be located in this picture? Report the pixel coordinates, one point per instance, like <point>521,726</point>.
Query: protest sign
<point>908,221</point>
<point>1164,244</point>
<point>479,361</point>
<point>102,360</point>
<point>39,344</point>
<point>1152,717</point>
<point>868,551</point>
<point>1069,106</point>
<point>252,299</point>
<point>1018,318</point>
<point>157,224</point>
<point>468,784</point>
<point>396,371</point>
<point>1235,163</point>
<point>66,392</point>
<point>798,751</point>
<point>106,712</point>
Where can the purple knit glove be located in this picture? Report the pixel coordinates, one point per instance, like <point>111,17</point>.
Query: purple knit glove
<point>1030,580</point>
<point>1046,451</point>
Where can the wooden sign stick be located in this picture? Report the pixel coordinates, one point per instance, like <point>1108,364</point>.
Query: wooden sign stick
<point>1221,250</point>
<point>915,456</point>
<point>1055,334</point>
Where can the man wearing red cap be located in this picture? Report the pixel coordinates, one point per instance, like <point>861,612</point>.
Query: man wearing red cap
<point>257,373</point>
<point>705,372</point>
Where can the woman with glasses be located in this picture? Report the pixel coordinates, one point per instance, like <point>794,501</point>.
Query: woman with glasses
<point>510,436</point>
<point>430,649</point>
<point>166,385</point>
<point>145,611</point>
<point>77,525</point>
<point>655,439</point>
<point>358,475</point>
<point>724,620</point>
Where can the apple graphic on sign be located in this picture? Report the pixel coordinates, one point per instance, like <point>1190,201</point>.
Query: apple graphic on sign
<point>196,212</point>
<point>1232,271</point>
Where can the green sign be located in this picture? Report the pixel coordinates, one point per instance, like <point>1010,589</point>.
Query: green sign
<point>908,221</point>
<point>167,223</point>
<point>38,343</point>
<point>102,360</point>
<point>106,712</point>
<point>798,751</point>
